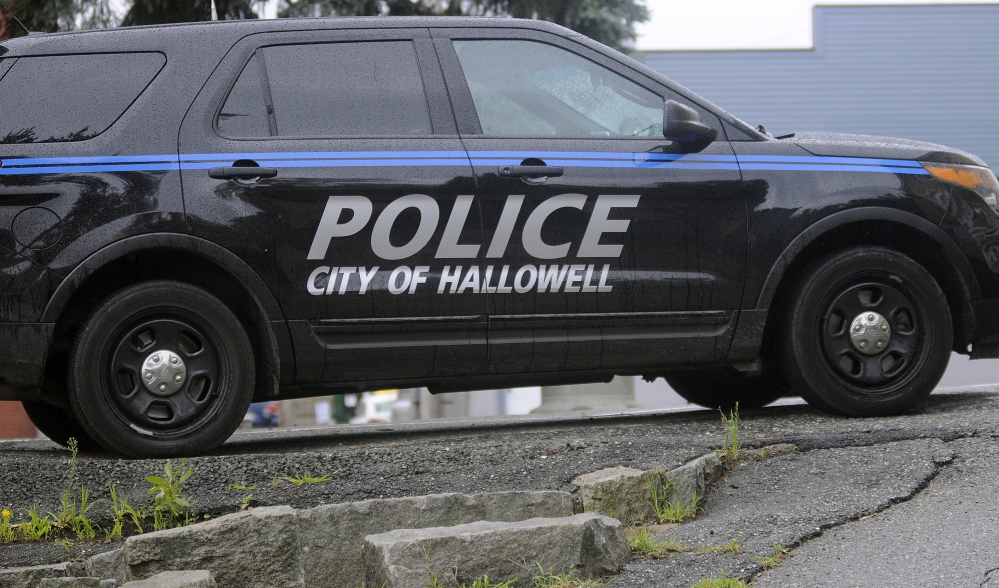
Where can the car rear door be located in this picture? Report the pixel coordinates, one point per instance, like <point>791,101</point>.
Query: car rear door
<point>629,251</point>
<point>360,168</point>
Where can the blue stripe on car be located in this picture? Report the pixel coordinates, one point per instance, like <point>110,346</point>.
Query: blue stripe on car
<point>695,161</point>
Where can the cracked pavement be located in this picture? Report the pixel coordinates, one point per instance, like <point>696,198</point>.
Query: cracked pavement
<point>910,500</point>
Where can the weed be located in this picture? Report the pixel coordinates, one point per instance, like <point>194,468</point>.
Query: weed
<point>761,455</point>
<point>65,545</point>
<point>484,582</point>
<point>725,581</point>
<point>247,499</point>
<point>169,509</point>
<point>35,528</point>
<point>776,558</point>
<point>242,487</point>
<point>7,530</point>
<point>451,581</point>
<point>73,516</point>
<point>732,547</point>
<point>675,511</point>
<point>645,545</point>
<point>120,509</point>
<point>670,510</point>
<point>729,451</point>
<point>301,479</point>
<point>170,506</point>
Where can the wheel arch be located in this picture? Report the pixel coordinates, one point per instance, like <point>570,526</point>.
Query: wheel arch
<point>178,257</point>
<point>890,228</point>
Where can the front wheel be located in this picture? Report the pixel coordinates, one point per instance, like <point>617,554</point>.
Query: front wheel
<point>868,333</point>
<point>160,369</point>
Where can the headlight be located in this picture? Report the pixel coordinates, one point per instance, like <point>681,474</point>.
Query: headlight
<point>979,179</point>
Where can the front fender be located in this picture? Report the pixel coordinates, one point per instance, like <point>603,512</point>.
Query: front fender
<point>857,215</point>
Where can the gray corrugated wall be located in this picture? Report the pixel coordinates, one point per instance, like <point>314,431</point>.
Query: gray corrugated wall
<point>918,72</point>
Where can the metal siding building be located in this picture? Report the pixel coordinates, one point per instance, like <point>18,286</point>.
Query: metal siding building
<point>919,72</point>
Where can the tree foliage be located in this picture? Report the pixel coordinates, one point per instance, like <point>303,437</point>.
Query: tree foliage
<point>609,21</point>
<point>147,12</point>
<point>49,16</point>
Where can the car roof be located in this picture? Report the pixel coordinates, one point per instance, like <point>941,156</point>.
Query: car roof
<point>162,37</point>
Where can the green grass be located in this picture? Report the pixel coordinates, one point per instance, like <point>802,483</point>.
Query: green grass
<point>481,582</point>
<point>732,547</point>
<point>668,510</point>
<point>241,487</point>
<point>542,579</point>
<point>549,579</point>
<point>300,479</point>
<point>121,511</point>
<point>72,518</point>
<point>729,451</point>
<point>776,558</point>
<point>724,582</point>
<point>73,522</point>
<point>645,545</point>
<point>247,498</point>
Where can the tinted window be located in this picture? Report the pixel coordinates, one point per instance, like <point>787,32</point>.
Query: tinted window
<point>530,88</point>
<point>71,97</point>
<point>339,89</point>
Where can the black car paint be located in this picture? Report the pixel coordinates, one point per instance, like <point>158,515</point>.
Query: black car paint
<point>731,237</point>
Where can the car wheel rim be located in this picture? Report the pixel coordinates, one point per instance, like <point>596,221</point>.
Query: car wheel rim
<point>872,336</point>
<point>163,374</point>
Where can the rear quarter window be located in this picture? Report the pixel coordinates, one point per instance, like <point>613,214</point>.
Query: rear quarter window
<point>71,97</point>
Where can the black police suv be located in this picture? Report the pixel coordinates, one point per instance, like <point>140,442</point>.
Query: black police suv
<point>196,216</point>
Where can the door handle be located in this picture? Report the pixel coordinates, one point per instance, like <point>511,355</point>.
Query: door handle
<point>530,171</point>
<point>241,173</point>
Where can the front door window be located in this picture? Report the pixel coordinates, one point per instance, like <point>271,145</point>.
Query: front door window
<point>527,88</point>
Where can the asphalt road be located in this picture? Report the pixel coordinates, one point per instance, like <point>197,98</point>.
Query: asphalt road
<point>901,501</point>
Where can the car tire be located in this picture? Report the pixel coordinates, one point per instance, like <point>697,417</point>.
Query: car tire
<point>58,425</point>
<point>868,333</point>
<point>724,387</point>
<point>160,369</point>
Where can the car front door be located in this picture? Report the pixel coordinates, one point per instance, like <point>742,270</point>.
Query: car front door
<point>610,247</point>
<point>360,170</point>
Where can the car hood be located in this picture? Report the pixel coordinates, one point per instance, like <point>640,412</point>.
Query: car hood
<point>844,145</point>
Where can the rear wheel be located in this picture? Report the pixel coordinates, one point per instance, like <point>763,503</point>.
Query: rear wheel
<point>723,387</point>
<point>868,333</point>
<point>58,425</point>
<point>160,369</point>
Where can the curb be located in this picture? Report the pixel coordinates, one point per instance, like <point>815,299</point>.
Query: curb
<point>321,547</point>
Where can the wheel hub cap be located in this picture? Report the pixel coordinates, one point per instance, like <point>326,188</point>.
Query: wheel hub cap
<point>870,333</point>
<point>163,372</point>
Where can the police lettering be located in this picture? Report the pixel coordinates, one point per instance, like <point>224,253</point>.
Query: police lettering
<point>335,224</point>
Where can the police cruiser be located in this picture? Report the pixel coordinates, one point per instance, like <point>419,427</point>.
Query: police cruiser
<point>196,216</point>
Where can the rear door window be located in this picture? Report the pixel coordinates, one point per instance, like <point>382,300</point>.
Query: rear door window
<point>71,97</point>
<point>367,89</point>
